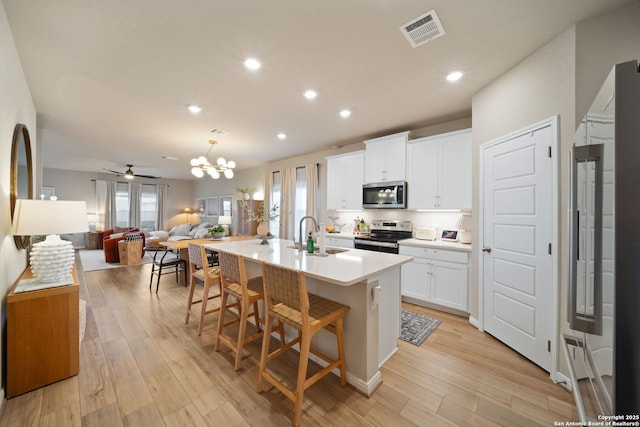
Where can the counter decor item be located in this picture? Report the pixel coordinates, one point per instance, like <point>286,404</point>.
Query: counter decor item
<point>217,231</point>
<point>464,227</point>
<point>51,260</point>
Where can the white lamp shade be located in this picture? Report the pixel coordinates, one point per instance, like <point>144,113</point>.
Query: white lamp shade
<point>92,218</point>
<point>44,217</point>
<point>464,222</point>
<point>224,220</point>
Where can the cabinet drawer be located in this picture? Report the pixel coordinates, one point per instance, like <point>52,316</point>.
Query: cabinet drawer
<point>339,243</point>
<point>436,254</point>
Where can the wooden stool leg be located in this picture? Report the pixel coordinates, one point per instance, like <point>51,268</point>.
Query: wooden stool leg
<point>305,344</point>
<point>340,339</point>
<point>192,288</point>
<point>242,330</point>
<point>205,298</point>
<point>266,339</point>
<point>256,317</point>
<point>221,315</point>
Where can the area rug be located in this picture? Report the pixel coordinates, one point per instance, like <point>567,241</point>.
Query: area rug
<point>416,328</point>
<point>93,259</point>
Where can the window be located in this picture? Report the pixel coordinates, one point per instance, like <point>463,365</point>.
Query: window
<point>122,204</point>
<point>299,202</point>
<point>148,206</point>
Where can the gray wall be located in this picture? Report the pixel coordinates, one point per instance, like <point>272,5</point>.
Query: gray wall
<point>74,185</point>
<point>16,107</point>
<point>560,78</point>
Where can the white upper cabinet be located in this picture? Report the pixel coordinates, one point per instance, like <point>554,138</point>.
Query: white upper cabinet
<point>439,171</point>
<point>345,174</point>
<point>385,158</point>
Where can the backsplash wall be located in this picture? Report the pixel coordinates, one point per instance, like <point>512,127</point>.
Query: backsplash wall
<point>419,219</point>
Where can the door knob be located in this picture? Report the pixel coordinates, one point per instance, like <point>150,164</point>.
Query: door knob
<point>486,249</point>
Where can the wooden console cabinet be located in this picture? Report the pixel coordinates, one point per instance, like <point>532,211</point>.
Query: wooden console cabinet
<point>42,336</point>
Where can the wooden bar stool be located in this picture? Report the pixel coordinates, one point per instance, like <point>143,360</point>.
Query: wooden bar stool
<point>287,300</point>
<point>246,292</point>
<point>201,272</point>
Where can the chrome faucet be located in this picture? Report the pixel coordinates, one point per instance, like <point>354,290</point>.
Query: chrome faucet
<point>315,225</point>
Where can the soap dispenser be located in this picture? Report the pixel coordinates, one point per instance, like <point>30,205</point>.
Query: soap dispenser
<point>310,247</point>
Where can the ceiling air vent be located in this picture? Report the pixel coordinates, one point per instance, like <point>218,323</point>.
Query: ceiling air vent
<point>423,29</point>
<point>219,132</point>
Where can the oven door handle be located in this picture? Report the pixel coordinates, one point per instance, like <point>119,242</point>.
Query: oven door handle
<point>383,244</point>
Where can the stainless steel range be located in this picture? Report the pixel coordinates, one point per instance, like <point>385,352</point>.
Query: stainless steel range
<point>384,236</point>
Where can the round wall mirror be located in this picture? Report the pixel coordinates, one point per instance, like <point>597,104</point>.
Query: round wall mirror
<point>21,174</point>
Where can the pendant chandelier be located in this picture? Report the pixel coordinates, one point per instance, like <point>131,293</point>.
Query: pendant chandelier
<point>201,165</point>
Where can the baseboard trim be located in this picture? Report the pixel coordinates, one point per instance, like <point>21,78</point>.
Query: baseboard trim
<point>2,400</point>
<point>475,322</point>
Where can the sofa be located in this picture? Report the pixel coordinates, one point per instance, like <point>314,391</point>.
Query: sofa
<point>110,243</point>
<point>180,232</point>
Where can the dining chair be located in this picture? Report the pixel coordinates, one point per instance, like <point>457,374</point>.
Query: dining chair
<point>287,301</point>
<point>164,262</point>
<point>201,271</point>
<point>246,293</point>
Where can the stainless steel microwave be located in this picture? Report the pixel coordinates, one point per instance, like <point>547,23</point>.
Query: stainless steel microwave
<point>385,195</point>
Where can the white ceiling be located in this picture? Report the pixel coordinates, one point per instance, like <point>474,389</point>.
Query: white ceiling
<point>111,79</point>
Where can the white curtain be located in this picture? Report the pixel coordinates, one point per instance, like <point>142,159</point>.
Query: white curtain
<point>135,193</point>
<point>287,203</point>
<point>312,192</point>
<point>162,191</point>
<point>105,204</point>
<point>267,179</point>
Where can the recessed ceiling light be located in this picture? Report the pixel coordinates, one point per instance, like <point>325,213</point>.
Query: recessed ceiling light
<point>454,76</point>
<point>282,135</point>
<point>345,113</point>
<point>252,64</point>
<point>194,109</point>
<point>310,94</point>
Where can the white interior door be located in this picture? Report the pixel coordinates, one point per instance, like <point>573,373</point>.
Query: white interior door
<point>518,269</point>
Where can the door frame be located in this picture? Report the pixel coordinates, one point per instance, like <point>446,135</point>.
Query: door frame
<point>551,122</point>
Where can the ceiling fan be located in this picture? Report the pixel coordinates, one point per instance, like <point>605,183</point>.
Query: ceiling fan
<point>129,173</point>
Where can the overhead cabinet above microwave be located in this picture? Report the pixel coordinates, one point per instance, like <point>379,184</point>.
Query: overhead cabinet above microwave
<point>385,158</point>
<point>439,171</point>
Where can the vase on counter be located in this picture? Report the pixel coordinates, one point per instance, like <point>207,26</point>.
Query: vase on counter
<point>263,229</point>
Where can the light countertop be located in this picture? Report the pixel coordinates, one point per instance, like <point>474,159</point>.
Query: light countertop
<point>436,244</point>
<point>345,268</point>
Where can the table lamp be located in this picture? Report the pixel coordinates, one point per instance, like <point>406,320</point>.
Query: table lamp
<point>225,221</point>
<point>51,260</point>
<point>187,212</point>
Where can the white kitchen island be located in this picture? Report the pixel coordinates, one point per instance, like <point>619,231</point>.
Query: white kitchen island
<point>352,277</point>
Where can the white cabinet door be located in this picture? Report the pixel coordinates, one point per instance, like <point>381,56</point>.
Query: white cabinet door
<point>422,175</point>
<point>415,283</point>
<point>455,171</point>
<point>344,181</point>
<point>385,158</point>
<point>448,284</point>
<point>439,171</point>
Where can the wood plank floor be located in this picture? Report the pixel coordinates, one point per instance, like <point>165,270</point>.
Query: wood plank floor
<point>140,365</point>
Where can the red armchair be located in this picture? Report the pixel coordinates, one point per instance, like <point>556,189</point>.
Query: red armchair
<point>110,245</point>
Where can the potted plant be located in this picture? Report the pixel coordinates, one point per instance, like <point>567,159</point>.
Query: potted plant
<point>261,215</point>
<point>217,231</point>
<point>246,192</point>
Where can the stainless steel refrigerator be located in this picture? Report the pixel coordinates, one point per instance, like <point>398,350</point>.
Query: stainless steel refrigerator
<point>602,350</point>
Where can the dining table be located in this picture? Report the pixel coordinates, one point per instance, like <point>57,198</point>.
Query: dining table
<point>182,246</point>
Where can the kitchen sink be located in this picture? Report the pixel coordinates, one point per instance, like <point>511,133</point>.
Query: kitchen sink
<point>329,251</point>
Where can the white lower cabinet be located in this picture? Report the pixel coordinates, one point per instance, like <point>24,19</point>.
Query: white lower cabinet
<point>436,276</point>
<point>338,242</point>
